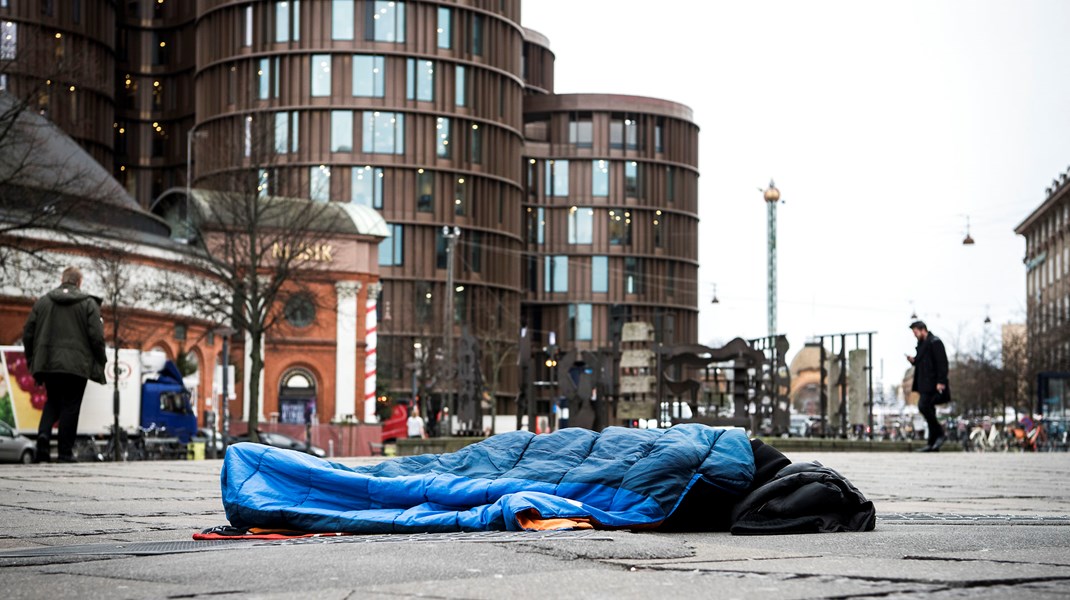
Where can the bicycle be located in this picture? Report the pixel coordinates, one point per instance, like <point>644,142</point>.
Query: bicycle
<point>987,438</point>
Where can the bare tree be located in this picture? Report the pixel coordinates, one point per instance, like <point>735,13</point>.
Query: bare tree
<point>48,184</point>
<point>261,251</point>
<point>117,280</point>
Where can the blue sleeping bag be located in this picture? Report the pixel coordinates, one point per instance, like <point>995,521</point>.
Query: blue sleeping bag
<point>512,481</point>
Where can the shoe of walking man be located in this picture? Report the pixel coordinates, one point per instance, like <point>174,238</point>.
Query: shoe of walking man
<point>930,381</point>
<point>64,344</point>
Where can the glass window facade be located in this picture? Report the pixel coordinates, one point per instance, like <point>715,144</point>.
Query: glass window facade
<point>247,33</point>
<point>367,187</point>
<point>620,227</point>
<point>581,132</point>
<point>369,76</point>
<point>600,178</point>
<point>659,229</point>
<point>460,83</point>
<point>320,68</point>
<point>425,191</point>
<point>580,225</point>
<point>9,40</point>
<point>385,21</point>
<point>555,274</point>
<point>392,249</point>
<point>460,196</point>
<point>420,80</point>
<point>442,137</point>
<point>477,34</point>
<point>631,179</point>
<point>263,79</point>
<point>282,132</point>
<point>633,283</point>
<point>287,20</point>
<point>580,322</point>
<point>599,274</point>
<point>475,144</point>
<point>557,178</point>
<point>319,188</point>
<point>342,19</point>
<point>384,132</point>
<point>341,131</point>
<point>445,27</point>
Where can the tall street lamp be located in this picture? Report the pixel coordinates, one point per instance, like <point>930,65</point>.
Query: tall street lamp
<point>451,235</point>
<point>188,233</point>
<point>772,196</point>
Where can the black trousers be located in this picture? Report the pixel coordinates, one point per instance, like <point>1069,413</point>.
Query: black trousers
<point>64,405</point>
<point>927,408</point>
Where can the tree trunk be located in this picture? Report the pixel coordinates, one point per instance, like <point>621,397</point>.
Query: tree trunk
<point>257,366</point>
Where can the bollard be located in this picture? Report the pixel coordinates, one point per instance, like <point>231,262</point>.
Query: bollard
<point>330,448</point>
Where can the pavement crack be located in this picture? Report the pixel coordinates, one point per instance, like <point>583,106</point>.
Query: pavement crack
<point>967,559</point>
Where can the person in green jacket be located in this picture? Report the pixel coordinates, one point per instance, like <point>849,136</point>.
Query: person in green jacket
<point>64,344</point>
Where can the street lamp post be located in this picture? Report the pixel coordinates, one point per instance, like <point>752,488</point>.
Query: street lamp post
<point>188,233</point>
<point>451,236</point>
<point>772,196</point>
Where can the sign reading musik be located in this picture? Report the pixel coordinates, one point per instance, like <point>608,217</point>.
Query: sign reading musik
<point>313,252</point>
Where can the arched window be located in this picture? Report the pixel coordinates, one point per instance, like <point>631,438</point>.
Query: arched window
<point>297,396</point>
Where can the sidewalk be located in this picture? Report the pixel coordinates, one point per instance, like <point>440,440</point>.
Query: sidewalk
<point>950,525</point>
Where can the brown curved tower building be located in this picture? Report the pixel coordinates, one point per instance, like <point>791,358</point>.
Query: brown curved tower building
<point>611,203</point>
<point>509,206</point>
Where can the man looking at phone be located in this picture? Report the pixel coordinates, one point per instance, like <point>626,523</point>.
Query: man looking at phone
<point>930,381</point>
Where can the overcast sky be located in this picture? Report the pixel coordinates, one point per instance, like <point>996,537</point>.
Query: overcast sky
<point>884,125</point>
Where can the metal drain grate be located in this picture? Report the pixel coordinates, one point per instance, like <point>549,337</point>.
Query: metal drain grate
<point>964,519</point>
<point>126,548</point>
<point>156,548</point>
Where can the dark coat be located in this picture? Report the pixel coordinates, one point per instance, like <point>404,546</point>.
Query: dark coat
<point>65,334</point>
<point>930,365</point>
<point>804,498</point>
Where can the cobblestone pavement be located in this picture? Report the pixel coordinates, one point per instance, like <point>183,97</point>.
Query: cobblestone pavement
<point>951,525</point>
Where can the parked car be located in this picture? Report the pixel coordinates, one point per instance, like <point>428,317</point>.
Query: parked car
<point>279,440</point>
<point>15,447</point>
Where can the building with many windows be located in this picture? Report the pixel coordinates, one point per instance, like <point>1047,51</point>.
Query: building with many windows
<point>508,205</point>
<point>1047,278</point>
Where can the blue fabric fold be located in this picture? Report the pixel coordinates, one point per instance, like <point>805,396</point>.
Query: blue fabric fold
<point>618,478</point>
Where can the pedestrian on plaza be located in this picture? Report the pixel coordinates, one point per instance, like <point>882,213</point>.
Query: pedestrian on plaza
<point>930,381</point>
<point>415,424</point>
<point>64,344</point>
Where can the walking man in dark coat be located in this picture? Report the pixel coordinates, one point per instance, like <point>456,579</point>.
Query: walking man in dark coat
<point>64,345</point>
<point>930,381</point>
